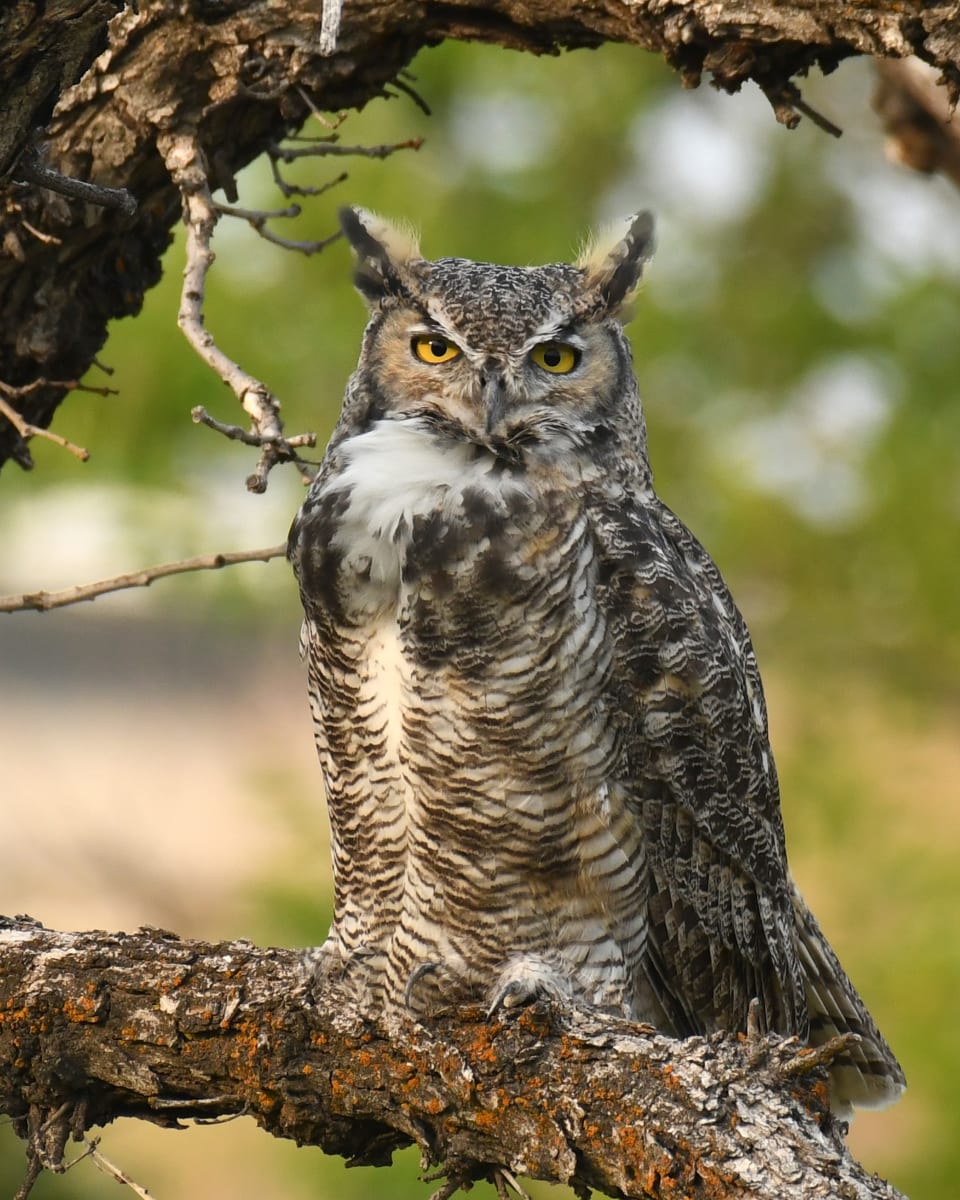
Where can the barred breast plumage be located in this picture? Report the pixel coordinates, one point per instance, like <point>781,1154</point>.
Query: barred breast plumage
<point>538,713</point>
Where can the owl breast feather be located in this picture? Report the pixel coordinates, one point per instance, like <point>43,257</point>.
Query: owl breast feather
<point>403,501</point>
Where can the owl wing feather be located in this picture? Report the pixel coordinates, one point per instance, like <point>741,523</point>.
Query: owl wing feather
<point>700,779</point>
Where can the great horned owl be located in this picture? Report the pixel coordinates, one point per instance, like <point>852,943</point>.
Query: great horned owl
<point>537,708</point>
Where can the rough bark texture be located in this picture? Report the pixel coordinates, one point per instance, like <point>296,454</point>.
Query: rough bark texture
<point>237,74</point>
<point>96,1026</point>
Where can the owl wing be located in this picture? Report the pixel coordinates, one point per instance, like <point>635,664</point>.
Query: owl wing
<point>698,775</point>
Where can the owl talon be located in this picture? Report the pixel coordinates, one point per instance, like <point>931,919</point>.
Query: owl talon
<point>515,994</point>
<point>328,962</point>
<point>425,968</point>
<point>525,980</point>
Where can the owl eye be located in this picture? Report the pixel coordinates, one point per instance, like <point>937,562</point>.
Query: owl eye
<point>431,348</point>
<point>556,357</point>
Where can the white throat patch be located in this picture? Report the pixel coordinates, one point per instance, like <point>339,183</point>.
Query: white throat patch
<point>394,472</point>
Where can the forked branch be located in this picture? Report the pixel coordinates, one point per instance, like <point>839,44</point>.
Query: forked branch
<point>163,1029</point>
<point>184,160</point>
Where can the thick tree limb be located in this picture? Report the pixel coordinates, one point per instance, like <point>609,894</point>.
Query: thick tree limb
<point>237,77</point>
<point>96,1026</point>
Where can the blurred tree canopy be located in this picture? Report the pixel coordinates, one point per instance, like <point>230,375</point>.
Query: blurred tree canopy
<point>797,349</point>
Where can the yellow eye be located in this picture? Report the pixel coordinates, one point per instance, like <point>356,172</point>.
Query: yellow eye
<point>556,357</point>
<point>432,348</point>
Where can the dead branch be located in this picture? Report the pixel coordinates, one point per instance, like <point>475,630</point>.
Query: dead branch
<point>330,148</point>
<point>257,219</point>
<point>325,147</point>
<point>28,431</point>
<point>44,601</point>
<point>185,162</point>
<point>110,1169</point>
<point>94,1026</point>
<point>32,169</point>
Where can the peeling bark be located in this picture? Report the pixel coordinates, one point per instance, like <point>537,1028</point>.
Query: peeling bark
<point>96,1026</point>
<point>240,74</point>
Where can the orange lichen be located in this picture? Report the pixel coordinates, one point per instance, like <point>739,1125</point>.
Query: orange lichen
<point>81,1010</point>
<point>630,1139</point>
<point>481,1046</point>
<point>20,1015</point>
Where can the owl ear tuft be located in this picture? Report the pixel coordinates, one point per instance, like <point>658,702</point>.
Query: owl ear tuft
<point>383,253</point>
<point>613,262</point>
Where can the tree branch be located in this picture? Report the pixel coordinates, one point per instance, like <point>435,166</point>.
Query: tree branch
<point>28,431</point>
<point>44,601</point>
<point>96,1026</point>
<point>184,160</point>
<point>237,79</point>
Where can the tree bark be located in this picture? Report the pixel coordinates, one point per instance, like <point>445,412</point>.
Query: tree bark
<point>97,1026</point>
<point>237,75</point>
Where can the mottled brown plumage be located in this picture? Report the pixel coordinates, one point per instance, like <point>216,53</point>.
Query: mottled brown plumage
<point>538,712</point>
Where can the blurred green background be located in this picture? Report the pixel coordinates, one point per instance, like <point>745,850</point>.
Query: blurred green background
<point>798,347</point>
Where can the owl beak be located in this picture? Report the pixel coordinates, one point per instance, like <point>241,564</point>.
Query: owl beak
<point>494,398</point>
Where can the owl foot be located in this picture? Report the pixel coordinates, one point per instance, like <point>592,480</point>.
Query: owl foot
<point>524,980</point>
<point>330,963</point>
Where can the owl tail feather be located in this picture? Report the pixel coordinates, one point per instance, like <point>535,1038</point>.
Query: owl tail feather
<point>867,1075</point>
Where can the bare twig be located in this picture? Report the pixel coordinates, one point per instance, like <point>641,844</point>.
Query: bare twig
<point>257,219</point>
<point>109,1168</point>
<point>401,85</point>
<point>28,431</point>
<point>31,170</point>
<point>511,1180</point>
<point>295,189</point>
<point>788,105</point>
<point>48,239</point>
<point>237,434</point>
<point>329,148</point>
<point>327,122</point>
<point>24,389</point>
<point>185,162</point>
<point>218,1102</point>
<point>44,601</point>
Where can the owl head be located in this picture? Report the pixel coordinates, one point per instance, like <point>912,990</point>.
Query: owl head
<point>526,362</point>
